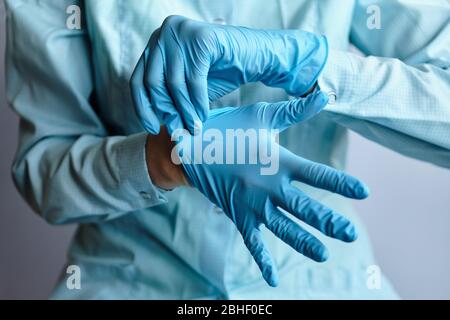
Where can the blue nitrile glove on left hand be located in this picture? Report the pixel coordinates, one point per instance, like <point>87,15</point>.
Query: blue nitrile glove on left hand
<point>251,192</point>
<point>188,64</point>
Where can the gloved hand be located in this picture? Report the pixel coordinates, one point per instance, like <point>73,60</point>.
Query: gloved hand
<point>187,64</point>
<point>250,198</point>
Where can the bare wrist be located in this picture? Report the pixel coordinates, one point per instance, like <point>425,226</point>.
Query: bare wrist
<point>163,172</point>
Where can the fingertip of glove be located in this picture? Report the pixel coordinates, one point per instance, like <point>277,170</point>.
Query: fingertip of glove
<point>350,234</point>
<point>203,114</point>
<point>198,127</point>
<point>321,253</point>
<point>321,98</point>
<point>362,191</point>
<point>270,274</point>
<point>315,103</point>
<point>272,279</point>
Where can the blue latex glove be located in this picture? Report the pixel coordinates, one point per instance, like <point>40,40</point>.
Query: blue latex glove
<point>251,199</point>
<point>187,64</point>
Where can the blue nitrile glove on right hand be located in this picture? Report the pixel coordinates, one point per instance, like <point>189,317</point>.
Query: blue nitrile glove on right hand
<point>188,64</point>
<point>251,192</point>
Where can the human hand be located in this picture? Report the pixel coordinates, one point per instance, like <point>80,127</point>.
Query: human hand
<point>187,64</point>
<point>251,193</point>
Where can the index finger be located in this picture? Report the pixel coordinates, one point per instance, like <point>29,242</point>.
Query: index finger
<point>141,100</point>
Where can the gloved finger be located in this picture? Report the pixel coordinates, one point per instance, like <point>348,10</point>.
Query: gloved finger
<point>198,88</point>
<point>284,114</point>
<point>255,244</point>
<point>219,85</point>
<point>176,83</point>
<point>141,99</point>
<point>316,215</point>
<point>295,236</point>
<point>155,82</point>
<point>327,178</point>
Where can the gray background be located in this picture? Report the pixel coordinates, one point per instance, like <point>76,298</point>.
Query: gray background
<point>408,216</point>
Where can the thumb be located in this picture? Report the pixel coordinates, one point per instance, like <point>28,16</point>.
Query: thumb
<point>284,114</point>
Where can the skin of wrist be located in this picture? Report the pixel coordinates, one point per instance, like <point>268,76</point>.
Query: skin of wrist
<point>163,172</point>
<point>311,90</point>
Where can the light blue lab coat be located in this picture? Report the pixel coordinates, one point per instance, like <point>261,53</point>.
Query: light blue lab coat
<point>81,155</point>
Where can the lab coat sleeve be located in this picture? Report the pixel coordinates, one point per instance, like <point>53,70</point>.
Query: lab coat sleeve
<point>398,95</point>
<point>67,167</point>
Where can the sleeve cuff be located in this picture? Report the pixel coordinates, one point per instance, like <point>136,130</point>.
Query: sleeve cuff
<point>133,173</point>
<point>336,80</point>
